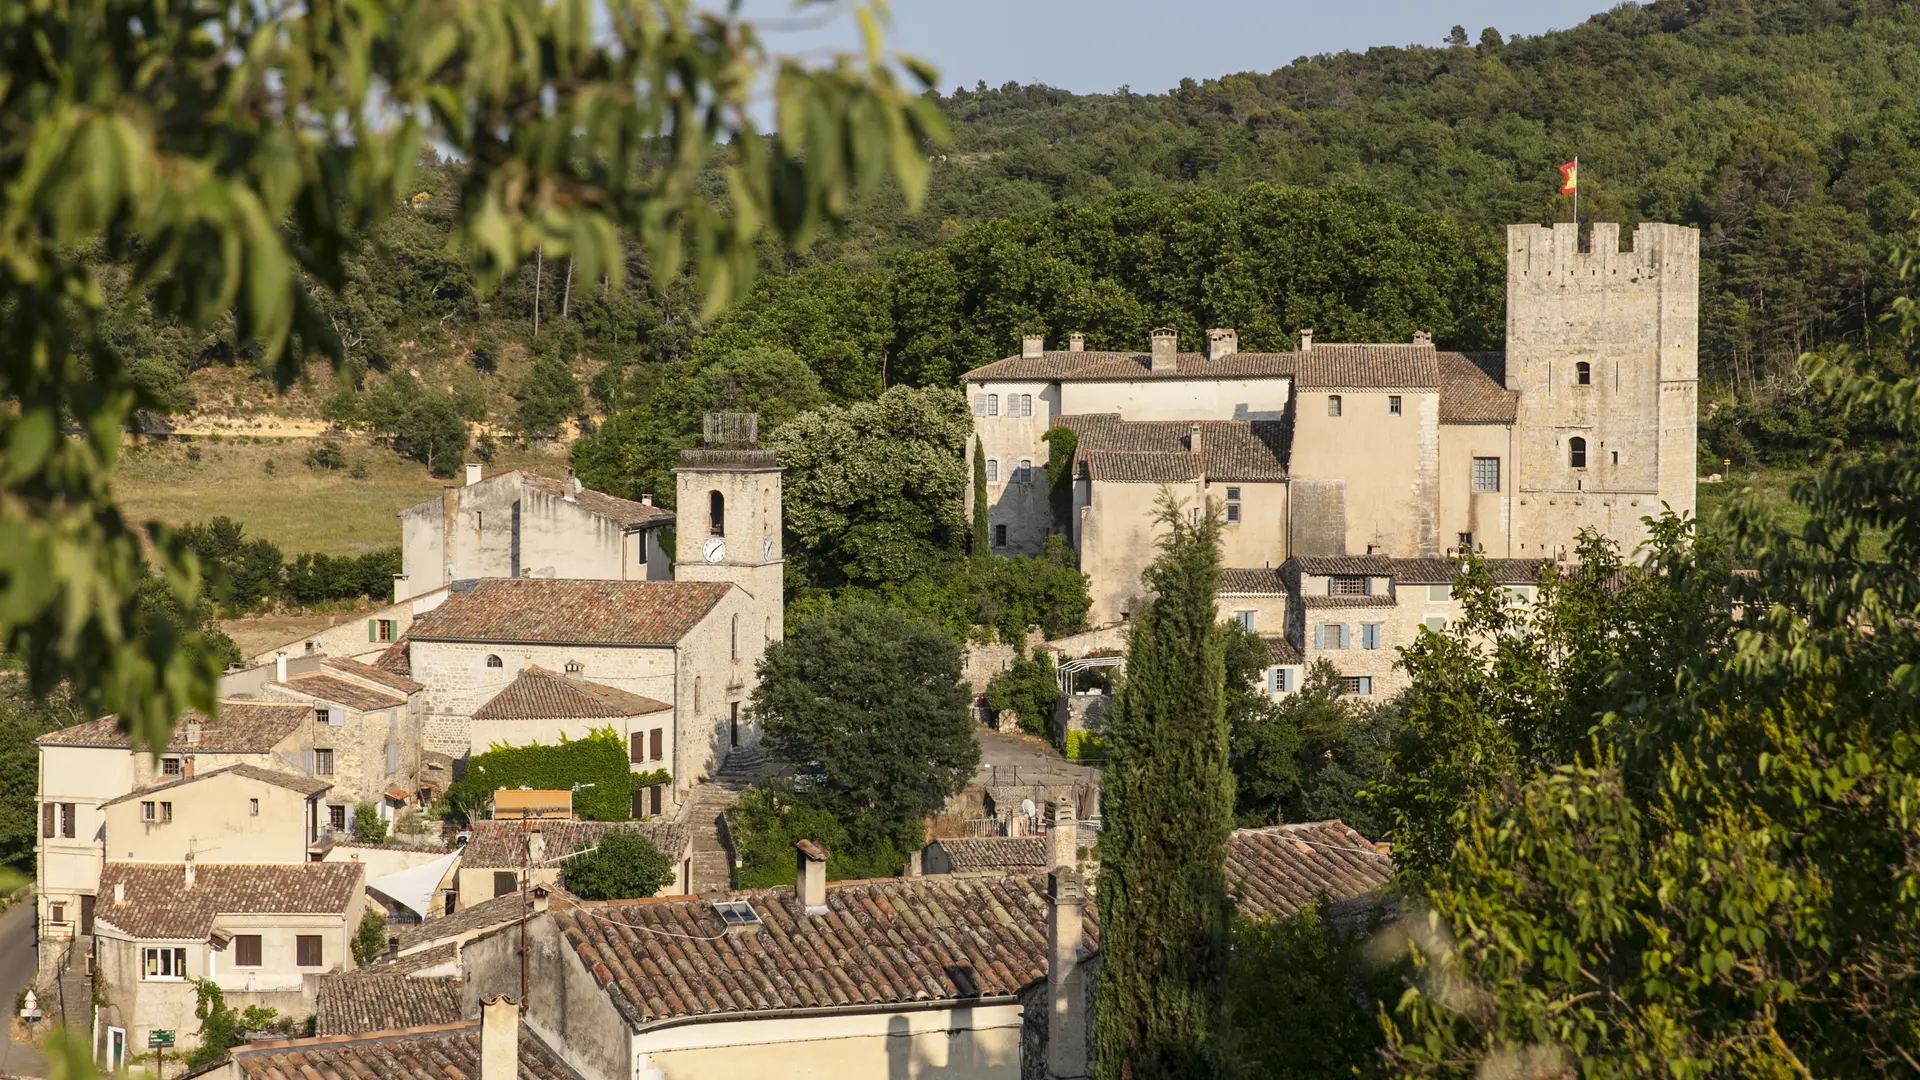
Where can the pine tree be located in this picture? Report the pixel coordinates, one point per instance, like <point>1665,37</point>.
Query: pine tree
<point>980,543</point>
<point>1168,794</point>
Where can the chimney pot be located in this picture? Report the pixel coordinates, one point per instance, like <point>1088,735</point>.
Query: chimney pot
<point>1422,337</point>
<point>646,499</point>
<point>499,1038</point>
<point>1076,342</point>
<point>393,949</point>
<point>473,473</point>
<point>1306,341</point>
<point>542,899</point>
<point>280,667</point>
<point>1166,349</point>
<point>189,870</point>
<point>1065,831</point>
<point>1032,345</point>
<point>1222,343</point>
<point>810,877</point>
<point>1067,1026</point>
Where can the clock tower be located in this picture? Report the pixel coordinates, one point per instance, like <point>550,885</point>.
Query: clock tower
<point>727,519</point>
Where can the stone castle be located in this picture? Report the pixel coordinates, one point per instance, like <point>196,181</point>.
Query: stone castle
<point>1398,451</point>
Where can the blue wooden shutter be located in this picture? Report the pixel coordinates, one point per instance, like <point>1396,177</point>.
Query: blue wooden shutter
<point>1319,635</point>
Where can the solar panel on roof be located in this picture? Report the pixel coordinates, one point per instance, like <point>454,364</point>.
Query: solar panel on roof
<point>736,913</point>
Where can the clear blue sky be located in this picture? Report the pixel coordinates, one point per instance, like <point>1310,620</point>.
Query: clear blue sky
<point>1092,46</point>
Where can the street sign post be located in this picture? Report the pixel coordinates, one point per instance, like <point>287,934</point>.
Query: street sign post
<point>159,1040</point>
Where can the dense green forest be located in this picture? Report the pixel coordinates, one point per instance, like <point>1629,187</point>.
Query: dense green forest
<point>1361,194</point>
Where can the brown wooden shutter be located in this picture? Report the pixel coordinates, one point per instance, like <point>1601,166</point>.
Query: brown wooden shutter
<point>637,747</point>
<point>246,950</point>
<point>67,815</point>
<point>655,799</point>
<point>639,808</point>
<point>658,743</point>
<point>307,950</point>
<point>46,820</point>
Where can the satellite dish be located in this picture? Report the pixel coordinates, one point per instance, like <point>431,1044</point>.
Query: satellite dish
<point>1027,808</point>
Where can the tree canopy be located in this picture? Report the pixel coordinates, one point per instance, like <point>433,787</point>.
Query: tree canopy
<point>622,866</point>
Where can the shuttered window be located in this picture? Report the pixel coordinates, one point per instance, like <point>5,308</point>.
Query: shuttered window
<point>656,740</point>
<point>307,951</point>
<point>504,882</point>
<point>246,950</point>
<point>637,747</point>
<point>1370,636</point>
<point>46,820</point>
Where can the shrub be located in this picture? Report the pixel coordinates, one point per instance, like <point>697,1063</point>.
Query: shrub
<point>599,759</point>
<point>1029,689</point>
<point>767,821</point>
<point>269,467</point>
<point>328,454</point>
<point>368,825</point>
<point>370,939</point>
<point>193,454</point>
<point>359,471</point>
<point>622,866</point>
<point>1086,746</point>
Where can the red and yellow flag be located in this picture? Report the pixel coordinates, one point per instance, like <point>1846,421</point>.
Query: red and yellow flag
<point>1570,177</point>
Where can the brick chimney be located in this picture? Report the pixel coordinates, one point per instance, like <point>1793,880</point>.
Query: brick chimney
<point>473,473</point>
<point>1066,983</point>
<point>1306,341</point>
<point>1076,342</point>
<point>499,1038</point>
<point>1064,831</point>
<point>810,877</point>
<point>1222,343</point>
<point>1032,346</point>
<point>1166,349</point>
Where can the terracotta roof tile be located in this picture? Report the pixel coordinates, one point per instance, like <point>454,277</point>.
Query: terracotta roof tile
<point>1252,581</point>
<point>574,612</point>
<point>398,659</point>
<point>1473,389</point>
<point>1367,367</point>
<point>624,512</point>
<point>356,1002</point>
<point>485,915</point>
<point>1280,650</point>
<point>1418,571</point>
<point>338,691</point>
<point>446,1052</point>
<point>539,694</point>
<point>978,854</point>
<point>1058,366</point>
<point>159,905</point>
<point>502,845</point>
<point>372,674</point>
<point>305,785</point>
<point>243,727</point>
<point>1317,603</point>
<point>1276,871</point>
<point>1159,451</point>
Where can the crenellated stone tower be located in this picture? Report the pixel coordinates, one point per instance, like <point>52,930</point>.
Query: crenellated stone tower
<point>1603,346</point>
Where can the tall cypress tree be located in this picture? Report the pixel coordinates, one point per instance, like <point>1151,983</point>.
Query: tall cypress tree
<point>980,542</point>
<point>1168,797</point>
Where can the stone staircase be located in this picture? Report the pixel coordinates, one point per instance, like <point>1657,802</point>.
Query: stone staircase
<point>704,811</point>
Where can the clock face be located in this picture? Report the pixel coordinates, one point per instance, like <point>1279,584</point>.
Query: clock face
<point>714,549</point>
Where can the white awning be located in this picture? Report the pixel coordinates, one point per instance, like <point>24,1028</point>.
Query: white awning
<point>414,887</point>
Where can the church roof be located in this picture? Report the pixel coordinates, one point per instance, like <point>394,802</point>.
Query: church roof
<point>539,694</point>
<point>559,611</point>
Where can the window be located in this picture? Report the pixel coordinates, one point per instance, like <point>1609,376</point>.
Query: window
<point>167,963</point>
<point>505,882</point>
<point>246,950</point>
<point>1287,684</point>
<point>979,404</point>
<point>323,716</point>
<point>575,667</point>
<point>1370,636</point>
<point>653,800</point>
<point>48,826</point>
<point>153,813</point>
<point>1244,618</point>
<point>1348,586</point>
<point>306,950</point>
<point>1486,474</point>
<point>1025,475</point>
<point>1583,374</point>
<point>323,763</point>
<point>1357,684</point>
<point>716,514</point>
<point>993,404</point>
<point>494,661</point>
<point>1393,404</point>
<point>1233,506</point>
<point>656,743</point>
<point>1517,595</point>
<point>1439,594</point>
<point>993,470</point>
<point>999,536</point>
<point>1279,680</point>
<point>636,747</point>
<point>148,812</point>
<point>379,630</point>
<point>67,815</point>
<point>1330,636</point>
<point>1616,457</point>
<point>337,818</point>
<point>172,766</point>
<point>1026,404</point>
<point>253,807</point>
<point>1435,623</point>
<point>733,637</point>
<point>393,758</point>
<point>1333,404</point>
<point>57,913</point>
<point>1464,541</point>
<point>1577,452</point>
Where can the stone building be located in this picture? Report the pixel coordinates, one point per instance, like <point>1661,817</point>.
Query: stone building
<point>239,814</point>
<point>516,524</point>
<point>1402,450</point>
<point>545,707</point>
<point>365,736</point>
<point>495,861</point>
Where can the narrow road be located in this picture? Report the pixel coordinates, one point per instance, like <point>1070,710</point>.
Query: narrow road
<point>17,962</point>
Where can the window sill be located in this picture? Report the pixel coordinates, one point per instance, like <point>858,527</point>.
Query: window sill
<point>164,978</point>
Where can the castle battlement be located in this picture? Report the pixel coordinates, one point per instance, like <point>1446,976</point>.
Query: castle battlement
<point>1538,255</point>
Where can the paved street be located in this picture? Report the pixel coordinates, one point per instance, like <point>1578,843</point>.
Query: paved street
<point>16,971</point>
<point>1008,758</point>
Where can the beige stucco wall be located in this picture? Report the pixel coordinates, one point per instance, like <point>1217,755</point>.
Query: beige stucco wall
<point>357,638</point>
<point>212,823</point>
<point>1260,536</point>
<point>1400,626</point>
<point>67,869</point>
<point>1022,507</point>
<point>1194,399</point>
<point>1116,542</point>
<point>1634,318</point>
<point>1390,464</point>
<point>1269,612</point>
<point>980,1042</point>
<point>458,680</point>
<point>1487,515</point>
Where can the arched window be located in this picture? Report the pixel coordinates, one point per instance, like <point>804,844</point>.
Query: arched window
<point>717,513</point>
<point>1577,452</point>
<point>993,470</point>
<point>494,661</point>
<point>733,637</point>
<point>1583,373</point>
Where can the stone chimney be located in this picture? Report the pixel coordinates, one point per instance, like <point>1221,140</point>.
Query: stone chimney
<point>1076,342</point>
<point>542,899</point>
<point>1222,343</point>
<point>188,864</point>
<point>473,473</point>
<point>1065,832</point>
<point>1306,341</point>
<point>1067,1019</point>
<point>1194,442</point>
<point>119,892</point>
<point>499,1038</point>
<point>280,667</point>
<point>1421,337</point>
<point>393,949</point>
<point>1166,349</point>
<point>1032,346</point>
<point>810,877</point>
<point>646,499</point>
<point>536,846</point>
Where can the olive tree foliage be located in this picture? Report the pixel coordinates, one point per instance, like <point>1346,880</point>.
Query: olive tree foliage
<point>231,153</point>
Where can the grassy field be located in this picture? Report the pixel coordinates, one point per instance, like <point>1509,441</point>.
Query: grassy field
<point>1771,486</point>
<point>298,508</point>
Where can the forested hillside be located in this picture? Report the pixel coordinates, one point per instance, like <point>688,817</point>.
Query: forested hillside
<point>1359,194</point>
